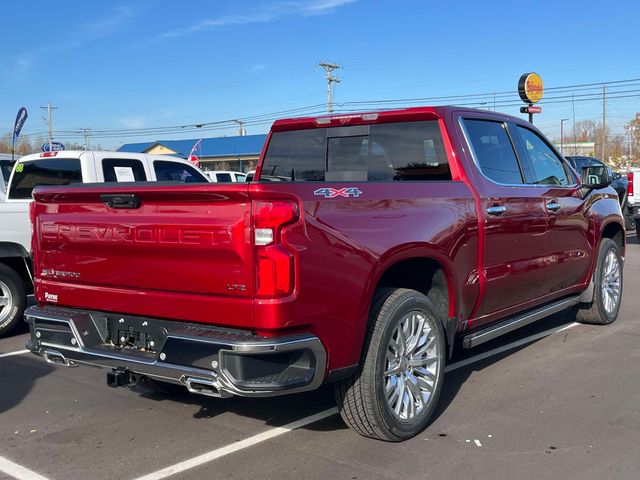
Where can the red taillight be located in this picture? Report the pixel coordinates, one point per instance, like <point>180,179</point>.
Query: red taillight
<point>274,263</point>
<point>48,154</point>
<point>630,187</point>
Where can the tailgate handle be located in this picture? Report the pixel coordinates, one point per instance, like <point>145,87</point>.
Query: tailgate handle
<point>125,200</point>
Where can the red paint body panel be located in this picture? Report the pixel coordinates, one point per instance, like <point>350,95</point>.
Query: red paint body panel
<point>188,252</point>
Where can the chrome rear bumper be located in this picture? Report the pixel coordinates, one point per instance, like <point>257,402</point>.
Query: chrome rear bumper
<point>207,360</point>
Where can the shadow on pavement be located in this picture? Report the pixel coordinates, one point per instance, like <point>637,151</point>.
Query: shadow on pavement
<point>279,411</point>
<point>18,375</point>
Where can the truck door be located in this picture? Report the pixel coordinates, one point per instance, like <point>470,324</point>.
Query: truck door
<point>515,222</point>
<point>569,252</point>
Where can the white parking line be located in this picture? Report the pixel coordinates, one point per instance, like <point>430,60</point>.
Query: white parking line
<point>507,347</point>
<point>275,432</point>
<point>17,471</point>
<point>11,354</point>
<point>241,445</point>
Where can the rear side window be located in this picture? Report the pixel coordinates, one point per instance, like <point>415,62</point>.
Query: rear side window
<point>493,151</point>
<point>223,177</point>
<point>123,170</point>
<point>5,168</point>
<point>546,168</point>
<point>177,172</point>
<point>52,171</point>
<point>405,151</point>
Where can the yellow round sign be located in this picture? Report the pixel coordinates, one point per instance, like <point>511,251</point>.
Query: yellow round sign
<point>530,88</point>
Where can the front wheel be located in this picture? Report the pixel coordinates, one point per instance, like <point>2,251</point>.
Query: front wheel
<point>607,294</point>
<point>395,392</point>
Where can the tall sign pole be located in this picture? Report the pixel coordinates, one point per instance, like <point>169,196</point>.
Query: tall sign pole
<point>530,89</point>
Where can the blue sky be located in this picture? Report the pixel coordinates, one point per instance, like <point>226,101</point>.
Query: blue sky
<point>117,65</point>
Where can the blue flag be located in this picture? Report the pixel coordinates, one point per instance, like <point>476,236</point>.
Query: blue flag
<point>17,128</point>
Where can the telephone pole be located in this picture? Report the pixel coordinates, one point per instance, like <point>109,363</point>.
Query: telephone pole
<point>49,108</point>
<point>85,134</point>
<point>241,130</point>
<point>604,121</point>
<point>328,68</point>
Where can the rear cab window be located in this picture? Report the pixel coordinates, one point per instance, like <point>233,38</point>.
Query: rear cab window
<point>223,177</point>
<point>385,152</point>
<point>43,172</point>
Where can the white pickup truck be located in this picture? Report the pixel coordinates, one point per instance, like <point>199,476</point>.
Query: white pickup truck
<point>64,168</point>
<point>633,197</point>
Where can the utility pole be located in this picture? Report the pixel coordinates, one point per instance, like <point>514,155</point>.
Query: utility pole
<point>85,134</point>
<point>328,68</point>
<point>604,121</point>
<point>49,108</point>
<point>562,120</point>
<point>241,131</point>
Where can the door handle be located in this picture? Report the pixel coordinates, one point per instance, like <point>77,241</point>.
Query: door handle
<point>496,210</point>
<point>118,201</point>
<point>553,206</point>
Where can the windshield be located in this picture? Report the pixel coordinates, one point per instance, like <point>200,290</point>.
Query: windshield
<point>53,171</point>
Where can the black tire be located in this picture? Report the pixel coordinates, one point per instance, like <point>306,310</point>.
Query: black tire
<point>596,313</point>
<point>361,398</point>
<point>637,230</point>
<point>12,287</point>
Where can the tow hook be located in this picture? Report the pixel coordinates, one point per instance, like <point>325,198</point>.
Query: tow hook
<point>118,377</point>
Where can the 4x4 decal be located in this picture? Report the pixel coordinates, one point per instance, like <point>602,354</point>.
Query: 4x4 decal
<point>338,192</point>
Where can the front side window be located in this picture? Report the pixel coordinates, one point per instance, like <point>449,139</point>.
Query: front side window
<point>493,151</point>
<point>177,172</point>
<point>546,168</point>
<point>123,170</point>
<point>50,171</point>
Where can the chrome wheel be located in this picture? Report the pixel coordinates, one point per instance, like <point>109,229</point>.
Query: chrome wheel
<point>6,301</point>
<point>412,366</point>
<point>611,282</point>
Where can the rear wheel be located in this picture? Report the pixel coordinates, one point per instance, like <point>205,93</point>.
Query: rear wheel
<point>12,299</point>
<point>607,293</point>
<point>396,390</point>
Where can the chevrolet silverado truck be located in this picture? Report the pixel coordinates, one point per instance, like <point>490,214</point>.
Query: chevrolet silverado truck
<point>390,239</point>
<point>63,168</point>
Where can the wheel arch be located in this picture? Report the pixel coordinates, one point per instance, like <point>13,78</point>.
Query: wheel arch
<point>425,269</point>
<point>15,256</point>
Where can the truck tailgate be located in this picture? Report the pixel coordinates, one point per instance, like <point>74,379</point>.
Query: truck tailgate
<point>187,240</point>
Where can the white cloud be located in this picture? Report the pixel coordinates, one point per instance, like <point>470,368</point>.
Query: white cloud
<point>268,13</point>
<point>257,68</point>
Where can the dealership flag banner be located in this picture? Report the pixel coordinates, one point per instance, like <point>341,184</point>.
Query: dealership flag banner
<point>17,127</point>
<point>192,157</point>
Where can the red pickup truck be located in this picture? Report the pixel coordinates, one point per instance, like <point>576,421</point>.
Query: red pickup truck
<point>366,249</point>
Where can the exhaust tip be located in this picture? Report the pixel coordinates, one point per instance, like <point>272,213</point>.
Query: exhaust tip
<point>204,386</point>
<point>56,358</point>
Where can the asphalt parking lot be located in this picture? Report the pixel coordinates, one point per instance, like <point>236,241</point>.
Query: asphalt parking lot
<point>553,401</point>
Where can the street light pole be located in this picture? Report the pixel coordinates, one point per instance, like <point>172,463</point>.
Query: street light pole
<point>562,134</point>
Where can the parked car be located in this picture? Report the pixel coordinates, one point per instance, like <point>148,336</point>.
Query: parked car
<point>64,168</point>
<point>633,202</point>
<point>396,237</point>
<point>225,176</point>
